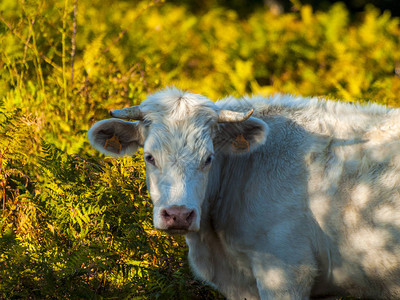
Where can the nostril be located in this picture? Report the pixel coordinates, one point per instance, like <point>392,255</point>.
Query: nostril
<point>189,216</point>
<point>165,215</point>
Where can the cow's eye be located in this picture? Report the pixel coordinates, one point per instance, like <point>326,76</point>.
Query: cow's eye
<point>208,160</point>
<point>150,159</point>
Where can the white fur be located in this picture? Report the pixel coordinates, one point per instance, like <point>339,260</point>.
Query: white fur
<point>312,209</point>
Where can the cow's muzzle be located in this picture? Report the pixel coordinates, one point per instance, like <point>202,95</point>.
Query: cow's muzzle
<point>177,219</point>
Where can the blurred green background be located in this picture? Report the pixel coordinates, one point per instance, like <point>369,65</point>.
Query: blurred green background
<point>78,225</point>
<point>245,7</point>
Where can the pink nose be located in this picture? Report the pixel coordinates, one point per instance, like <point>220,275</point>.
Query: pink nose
<point>177,217</point>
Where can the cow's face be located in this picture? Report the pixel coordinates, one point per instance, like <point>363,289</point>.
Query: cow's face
<point>181,137</point>
<point>177,173</point>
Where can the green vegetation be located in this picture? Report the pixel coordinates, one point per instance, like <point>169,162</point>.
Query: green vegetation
<point>78,225</point>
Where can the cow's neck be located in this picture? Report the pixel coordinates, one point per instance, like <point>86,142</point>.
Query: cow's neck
<point>224,195</point>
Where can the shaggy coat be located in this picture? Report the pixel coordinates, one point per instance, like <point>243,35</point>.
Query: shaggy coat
<point>300,200</point>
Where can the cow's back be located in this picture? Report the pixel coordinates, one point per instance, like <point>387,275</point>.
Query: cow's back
<point>352,163</point>
<point>354,194</point>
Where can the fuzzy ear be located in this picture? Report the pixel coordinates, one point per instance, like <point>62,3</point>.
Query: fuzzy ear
<point>240,137</point>
<point>116,137</point>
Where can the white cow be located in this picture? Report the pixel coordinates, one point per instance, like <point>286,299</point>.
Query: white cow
<point>300,200</point>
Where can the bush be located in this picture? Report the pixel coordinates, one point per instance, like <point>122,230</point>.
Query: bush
<point>75,224</point>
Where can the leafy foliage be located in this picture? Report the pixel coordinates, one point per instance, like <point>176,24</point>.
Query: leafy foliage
<point>77,225</point>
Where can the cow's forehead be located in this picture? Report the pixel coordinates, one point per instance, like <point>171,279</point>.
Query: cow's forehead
<point>179,125</point>
<point>175,105</point>
<point>190,139</point>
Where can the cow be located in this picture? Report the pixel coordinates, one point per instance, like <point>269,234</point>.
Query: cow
<point>278,198</point>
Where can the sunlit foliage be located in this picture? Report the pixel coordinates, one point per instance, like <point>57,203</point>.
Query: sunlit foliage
<point>75,224</point>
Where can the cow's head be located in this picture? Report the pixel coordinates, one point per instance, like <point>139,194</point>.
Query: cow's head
<point>181,134</point>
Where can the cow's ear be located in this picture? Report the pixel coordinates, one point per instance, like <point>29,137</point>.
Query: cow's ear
<point>240,137</point>
<point>116,137</point>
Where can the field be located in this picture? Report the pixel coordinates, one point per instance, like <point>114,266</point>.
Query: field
<point>78,225</point>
